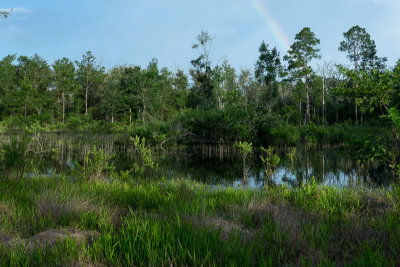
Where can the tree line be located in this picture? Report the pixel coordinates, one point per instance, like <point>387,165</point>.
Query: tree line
<point>212,103</point>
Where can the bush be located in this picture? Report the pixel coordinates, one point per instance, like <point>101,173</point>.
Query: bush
<point>285,134</point>
<point>96,164</point>
<point>74,122</point>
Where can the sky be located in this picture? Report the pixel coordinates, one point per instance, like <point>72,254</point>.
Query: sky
<point>132,32</point>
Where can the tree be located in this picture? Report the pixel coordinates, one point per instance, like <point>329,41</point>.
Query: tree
<point>111,101</point>
<point>268,66</point>
<point>90,76</point>
<point>299,57</point>
<point>361,50</point>
<point>375,90</point>
<point>325,71</point>
<point>34,80</point>
<point>267,69</point>
<point>4,13</point>
<point>64,80</point>
<point>203,91</point>
<point>8,80</point>
<point>180,86</point>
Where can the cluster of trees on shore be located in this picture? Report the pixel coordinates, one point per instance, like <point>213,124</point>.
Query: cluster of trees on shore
<point>211,103</point>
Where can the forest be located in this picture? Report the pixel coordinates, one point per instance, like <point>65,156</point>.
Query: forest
<point>83,150</point>
<point>212,104</point>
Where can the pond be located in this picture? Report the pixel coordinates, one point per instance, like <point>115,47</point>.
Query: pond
<point>215,165</point>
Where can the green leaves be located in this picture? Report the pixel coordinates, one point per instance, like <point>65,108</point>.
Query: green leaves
<point>244,147</point>
<point>96,164</point>
<point>270,160</point>
<point>145,154</point>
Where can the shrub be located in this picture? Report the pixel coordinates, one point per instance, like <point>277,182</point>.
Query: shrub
<point>285,134</point>
<point>270,161</point>
<point>96,164</point>
<point>145,154</point>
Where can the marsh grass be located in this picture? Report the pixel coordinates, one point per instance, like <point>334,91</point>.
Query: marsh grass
<point>54,222</point>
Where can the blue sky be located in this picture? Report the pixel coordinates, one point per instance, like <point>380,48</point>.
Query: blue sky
<point>133,32</point>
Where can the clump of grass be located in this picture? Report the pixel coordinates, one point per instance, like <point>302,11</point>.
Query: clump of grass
<point>53,205</point>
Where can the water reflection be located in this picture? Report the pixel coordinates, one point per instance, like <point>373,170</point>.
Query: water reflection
<point>216,165</point>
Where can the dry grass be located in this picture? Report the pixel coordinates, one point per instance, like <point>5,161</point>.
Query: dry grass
<point>7,210</point>
<point>289,221</point>
<point>53,205</point>
<point>227,228</point>
<point>375,205</point>
<point>49,238</point>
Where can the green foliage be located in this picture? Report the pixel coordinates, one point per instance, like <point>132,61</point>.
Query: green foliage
<point>74,122</point>
<point>368,149</point>
<point>96,165</point>
<point>312,133</point>
<point>285,135</point>
<point>145,154</point>
<point>244,147</point>
<point>270,160</point>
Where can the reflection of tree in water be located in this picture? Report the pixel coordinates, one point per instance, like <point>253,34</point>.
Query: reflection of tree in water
<point>214,164</point>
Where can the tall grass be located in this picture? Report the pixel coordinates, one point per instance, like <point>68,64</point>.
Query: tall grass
<point>160,222</point>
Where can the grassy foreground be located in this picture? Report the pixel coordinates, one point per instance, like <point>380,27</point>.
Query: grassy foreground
<point>54,222</point>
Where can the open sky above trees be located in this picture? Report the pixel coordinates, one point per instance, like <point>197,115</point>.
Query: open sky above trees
<point>133,32</point>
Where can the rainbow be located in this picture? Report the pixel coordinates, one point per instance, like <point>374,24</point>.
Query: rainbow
<point>272,24</point>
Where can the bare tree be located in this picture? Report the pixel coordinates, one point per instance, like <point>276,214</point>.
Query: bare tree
<point>325,70</point>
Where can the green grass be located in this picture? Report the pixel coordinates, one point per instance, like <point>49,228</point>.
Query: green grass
<point>160,222</point>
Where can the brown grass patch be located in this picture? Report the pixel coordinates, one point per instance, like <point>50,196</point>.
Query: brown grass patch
<point>6,211</point>
<point>375,205</point>
<point>54,206</point>
<point>290,221</point>
<point>49,238</point>
<point>226,227</point>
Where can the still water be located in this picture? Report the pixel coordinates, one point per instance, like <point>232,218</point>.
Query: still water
<point>215,165</point>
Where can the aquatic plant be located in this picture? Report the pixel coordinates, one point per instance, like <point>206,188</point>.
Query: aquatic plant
<point>244,148</point>
<point>270,160</point>
<point>95,164</point>
<point>145,154</point>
